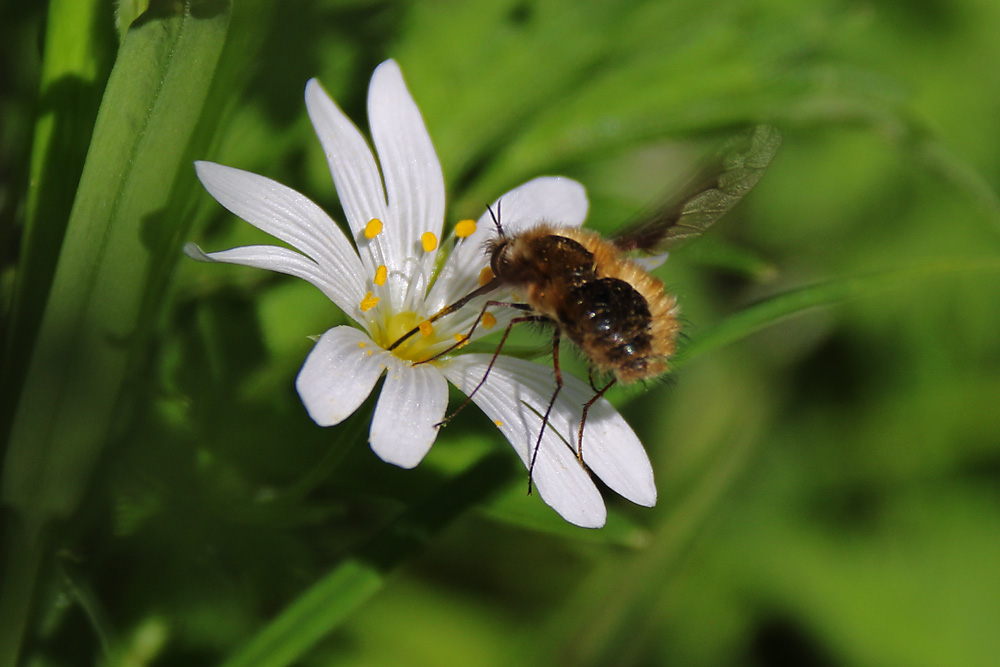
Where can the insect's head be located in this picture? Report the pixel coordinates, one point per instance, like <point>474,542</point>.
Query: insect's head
<point>496,247</point>
<point>497,250</point>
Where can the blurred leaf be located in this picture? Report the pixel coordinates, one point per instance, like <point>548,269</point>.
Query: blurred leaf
<point>92,326</point>
<point>79,364</point>
<point>757,317</point>
<point>329,601</point>
<point>127,11</point>
<point>77,57</point>
<point>514,507</point>
<point>713,253</point>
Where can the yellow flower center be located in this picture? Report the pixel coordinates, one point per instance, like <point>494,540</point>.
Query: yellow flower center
<point>415,348</point>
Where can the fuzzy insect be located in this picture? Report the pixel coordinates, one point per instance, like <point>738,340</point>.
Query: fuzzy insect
<point>591,289</point>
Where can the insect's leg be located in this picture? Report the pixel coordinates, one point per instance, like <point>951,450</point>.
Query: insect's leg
<point>583,418</point>
<point>479,318</point>
<point>552,401</point>
<point>590,378</point>
<point>496,353</point>
<point>450,308</point>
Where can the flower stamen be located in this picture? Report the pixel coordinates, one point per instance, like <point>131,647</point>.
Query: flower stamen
<point>429,241</point>
<point>369,302</point>
<point>373,228</point>
<point>465,228</point>
<point>485,275</point>
<point>380,275</point>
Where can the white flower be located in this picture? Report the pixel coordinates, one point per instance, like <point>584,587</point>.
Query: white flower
<point>385,281</point>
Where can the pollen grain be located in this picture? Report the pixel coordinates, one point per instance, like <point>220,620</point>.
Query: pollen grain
<point>369,302</point>
<point>373,228</point>
<point>464,228</point>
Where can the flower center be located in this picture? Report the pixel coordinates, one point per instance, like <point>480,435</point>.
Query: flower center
<point>417,347</point>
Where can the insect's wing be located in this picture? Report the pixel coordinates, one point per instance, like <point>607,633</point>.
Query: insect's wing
<point>707,197</point>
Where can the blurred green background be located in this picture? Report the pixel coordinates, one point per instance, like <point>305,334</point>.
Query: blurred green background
<point>828,481</point>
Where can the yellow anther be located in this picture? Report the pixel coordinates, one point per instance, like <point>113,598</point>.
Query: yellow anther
<point>465,228</point>
<point>485,276</point>
<point>380,275</point>
<point>429,241</point>
<point>498,422</point>
<point>489,321</point>
<point>426,328</point>
<point>369,302</point>
<point>462,340</point>
<point>373,228</point>
<point>362,345</point>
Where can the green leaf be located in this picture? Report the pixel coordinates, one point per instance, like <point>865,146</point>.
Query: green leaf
<point>118,231</point>
<point>152,103</point>
<point>74,71</point>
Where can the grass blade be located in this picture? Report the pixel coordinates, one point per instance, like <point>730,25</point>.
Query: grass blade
<point>91,328</point>
<point>829,293</point>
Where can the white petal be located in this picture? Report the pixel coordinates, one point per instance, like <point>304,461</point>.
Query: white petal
<point>611,449</point>
<point>283,260</point>
<point>355,174</point>
<point>412,401</point>
<point>339,374</point>
<point>551,199</point>
<point>414,183</point>
<point>651,262</point>
<point>286,215</point>
<point>515,396</point>
<point>556,200</point>
<point>359,185</point>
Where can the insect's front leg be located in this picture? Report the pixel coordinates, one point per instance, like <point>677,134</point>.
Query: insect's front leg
<point>496,353</point>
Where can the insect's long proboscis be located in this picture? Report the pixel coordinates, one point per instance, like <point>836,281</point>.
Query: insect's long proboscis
<point>447,310</point>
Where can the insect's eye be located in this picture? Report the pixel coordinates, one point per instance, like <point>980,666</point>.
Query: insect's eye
<point>498,259</point>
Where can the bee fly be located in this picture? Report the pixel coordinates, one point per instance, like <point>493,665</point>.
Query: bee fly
<point>590,290</point>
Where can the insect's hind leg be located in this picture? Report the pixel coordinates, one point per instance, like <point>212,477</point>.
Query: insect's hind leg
<point>552,401</point>
<point>586,409</point>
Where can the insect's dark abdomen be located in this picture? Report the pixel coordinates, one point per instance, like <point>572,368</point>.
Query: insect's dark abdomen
<point>611,321</point>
